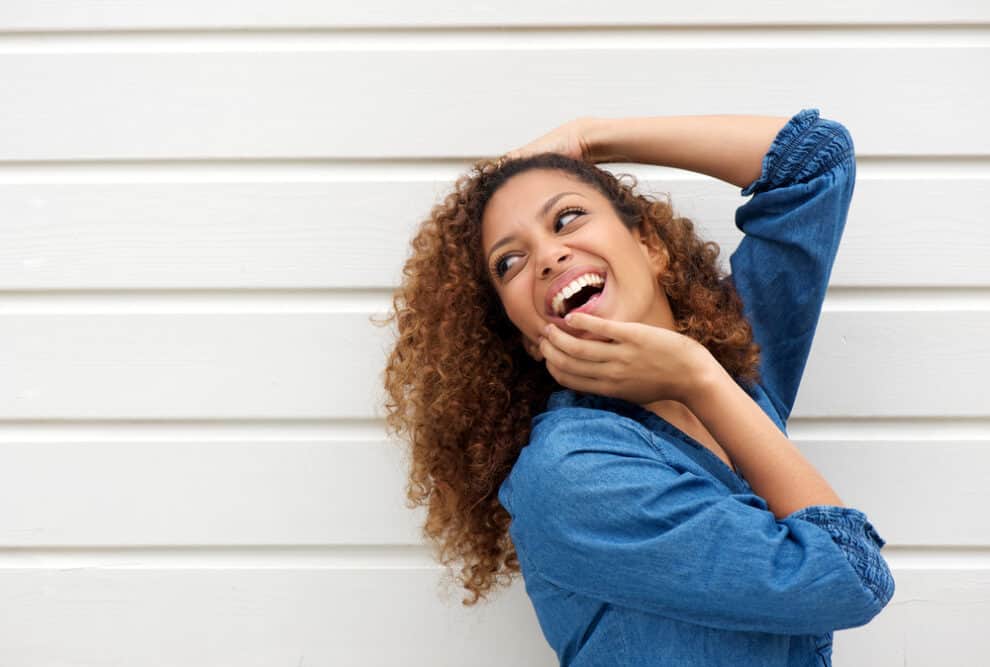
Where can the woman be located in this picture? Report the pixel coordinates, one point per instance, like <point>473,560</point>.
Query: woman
<point>589,399</point>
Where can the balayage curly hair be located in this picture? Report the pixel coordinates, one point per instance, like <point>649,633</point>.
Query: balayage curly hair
<point>461,387</point>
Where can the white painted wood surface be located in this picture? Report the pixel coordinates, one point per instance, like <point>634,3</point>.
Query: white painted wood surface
<point>319,99</point>
<point>201,204</point>
<point>157,15</point>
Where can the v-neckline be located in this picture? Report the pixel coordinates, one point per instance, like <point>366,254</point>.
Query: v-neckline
<point>694,442</point>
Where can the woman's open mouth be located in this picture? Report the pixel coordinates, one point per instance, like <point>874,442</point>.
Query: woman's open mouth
<point>580,296</point>
<point>584,300</point>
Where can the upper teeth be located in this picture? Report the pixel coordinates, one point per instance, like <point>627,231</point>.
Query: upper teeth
<point>572,288</point>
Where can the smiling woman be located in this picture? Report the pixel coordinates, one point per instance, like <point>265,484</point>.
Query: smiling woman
<point>631,460</point>
<point>466,375</point>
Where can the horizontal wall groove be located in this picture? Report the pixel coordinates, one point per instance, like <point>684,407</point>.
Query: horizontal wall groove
<point>528,38</point>
<point>709,25</point>
<point>910,299</point>
<point>373,301</point>
<point>201,431</point>
<point>348,170</point>
<point>934,428</point>
<point>360,557</point>
<point>908,557</point>
<point>377,302</point>
<point>346,557</point>
<point>373,430</point>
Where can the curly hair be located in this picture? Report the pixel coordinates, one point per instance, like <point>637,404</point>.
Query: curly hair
<point>463,391</point>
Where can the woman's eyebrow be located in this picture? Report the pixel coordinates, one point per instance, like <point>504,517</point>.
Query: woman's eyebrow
<point>543,212</point>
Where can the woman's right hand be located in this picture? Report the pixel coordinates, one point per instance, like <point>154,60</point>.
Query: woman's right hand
<point>640,363</point>
<point>572,139</point>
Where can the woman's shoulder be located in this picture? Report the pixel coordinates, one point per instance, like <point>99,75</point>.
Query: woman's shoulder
<point>569,443</point>
<point>573,440</point>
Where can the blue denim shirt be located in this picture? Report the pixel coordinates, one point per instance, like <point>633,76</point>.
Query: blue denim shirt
<point>637,544</point>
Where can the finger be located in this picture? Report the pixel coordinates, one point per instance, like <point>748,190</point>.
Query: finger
<point>579,348</point>
<point>614,329</point>
<point>572,365</point>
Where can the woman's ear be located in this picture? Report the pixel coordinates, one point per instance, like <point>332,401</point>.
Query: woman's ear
<point>654,250</point>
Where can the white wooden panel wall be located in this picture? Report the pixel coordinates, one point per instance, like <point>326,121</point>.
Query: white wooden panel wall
<point>201,204</point>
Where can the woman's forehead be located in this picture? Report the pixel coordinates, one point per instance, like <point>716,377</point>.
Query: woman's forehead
<point>526,198</point>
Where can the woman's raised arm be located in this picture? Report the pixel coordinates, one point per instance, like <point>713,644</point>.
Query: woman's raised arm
<point>773,465</point>
<point>727,147</point>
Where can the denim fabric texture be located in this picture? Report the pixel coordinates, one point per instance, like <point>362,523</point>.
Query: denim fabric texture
<point>637,544</point>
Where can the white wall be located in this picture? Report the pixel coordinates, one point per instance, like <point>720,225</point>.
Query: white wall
<point>201,203</point>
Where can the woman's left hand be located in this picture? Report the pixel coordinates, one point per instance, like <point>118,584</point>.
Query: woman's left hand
<point>570,139</point>
<point>640,363</point>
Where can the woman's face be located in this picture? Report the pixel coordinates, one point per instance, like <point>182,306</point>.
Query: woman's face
<point>537,239</point>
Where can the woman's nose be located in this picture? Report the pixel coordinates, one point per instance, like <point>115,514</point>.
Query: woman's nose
<point>552,258</point>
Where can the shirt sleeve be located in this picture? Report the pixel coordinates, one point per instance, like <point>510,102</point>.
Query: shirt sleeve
<point>792,227</point>
<point>603,514</point>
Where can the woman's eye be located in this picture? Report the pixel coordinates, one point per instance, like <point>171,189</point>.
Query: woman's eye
<point>500,265</point>
<point>569,211</point>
